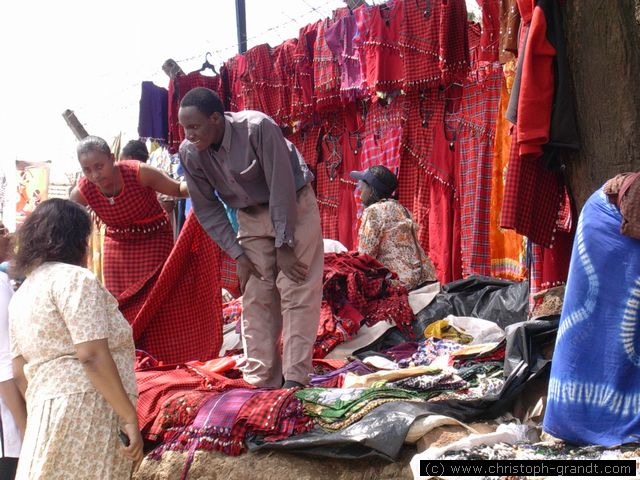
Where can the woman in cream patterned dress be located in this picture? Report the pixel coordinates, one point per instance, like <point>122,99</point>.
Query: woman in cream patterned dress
<point>73,355</point>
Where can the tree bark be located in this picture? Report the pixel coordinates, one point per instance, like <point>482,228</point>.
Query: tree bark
<point>603,45</point>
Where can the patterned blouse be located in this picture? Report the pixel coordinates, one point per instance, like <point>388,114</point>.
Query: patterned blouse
<point>58,306</point>
<point>386,235</point>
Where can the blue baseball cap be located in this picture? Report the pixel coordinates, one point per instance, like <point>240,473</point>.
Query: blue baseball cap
<point>370,178</point>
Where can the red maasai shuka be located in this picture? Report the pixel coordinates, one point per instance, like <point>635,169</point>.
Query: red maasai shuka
<point>177,315</point>
<point>178,88</point>
<point>326,74</point>
<point>357,288</point>
<point>158,385</point>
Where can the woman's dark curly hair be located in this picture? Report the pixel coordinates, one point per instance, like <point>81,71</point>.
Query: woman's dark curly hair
<point>56,231</point>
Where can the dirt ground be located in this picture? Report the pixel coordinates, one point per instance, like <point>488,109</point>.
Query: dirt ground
<point>273,466</point>
<point>286,466</point>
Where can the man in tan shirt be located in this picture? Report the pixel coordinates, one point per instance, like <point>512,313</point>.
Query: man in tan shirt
<point>245,159</point>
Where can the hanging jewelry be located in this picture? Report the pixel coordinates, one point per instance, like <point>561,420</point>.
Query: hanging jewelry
<point>112,199</point>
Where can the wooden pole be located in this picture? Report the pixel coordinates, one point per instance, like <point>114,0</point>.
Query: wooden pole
<point>74,124</point>
<point>171,68</point>
<point>353,4</point>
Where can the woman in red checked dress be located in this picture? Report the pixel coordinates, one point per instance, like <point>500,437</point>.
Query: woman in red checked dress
<point>138,237</point>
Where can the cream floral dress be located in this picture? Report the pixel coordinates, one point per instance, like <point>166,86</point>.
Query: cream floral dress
<point>386,234</point>
<point>72,432</point>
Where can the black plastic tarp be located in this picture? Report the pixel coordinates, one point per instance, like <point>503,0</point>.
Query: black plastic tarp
<point>381,433</point>
<point>500,301</point>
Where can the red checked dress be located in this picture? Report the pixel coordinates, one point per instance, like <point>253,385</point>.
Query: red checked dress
<point>138,237</point>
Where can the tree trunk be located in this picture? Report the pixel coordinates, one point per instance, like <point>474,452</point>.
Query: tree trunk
<point>603,45</point>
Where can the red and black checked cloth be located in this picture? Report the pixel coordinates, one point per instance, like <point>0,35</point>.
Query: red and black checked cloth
<point>283,66</point>
<point>420,44</point>
<point>159,384</point>
<point>328,173</point>
<point>138,236</point>
<point>228,274</point>
<point>476,137</point>
<point>454,41</point>
<point>383,135</point>
<point>326,72</point>
<point>232,311</point>
<point>351,160</point>
<point>408,180</point>
<point>352,278</point>
<point>258,81</point>
<point>302,83</point>
<point>437,208</point>
<point>358,286</point>
<point>532,197</point>
<point>382,55</point>
<point>335,329</point>
<point>550,266</point>
<point>225,420</point>
<point>382,139</point>
<point>235,69</point>
<point>272,414</point>
<point>178,88</point>
<point>177,315</point>
<point>424,112</point>
<point>489,50</point>
<point>307,141</point>
<point>328,198</point>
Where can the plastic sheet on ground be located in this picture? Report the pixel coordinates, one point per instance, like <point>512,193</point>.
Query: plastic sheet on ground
<point>500,301</point>
<point>422,297</point>
<point>365,336</point>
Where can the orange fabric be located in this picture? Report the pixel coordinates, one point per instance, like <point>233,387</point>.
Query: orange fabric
<point>508,249</point>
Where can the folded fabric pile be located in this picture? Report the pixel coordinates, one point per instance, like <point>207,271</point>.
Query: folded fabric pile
<point>481,385</point>
<point>335,378</point>
<point>226,419</point>
<point>272,415</point>
<point>434,384</point>
<point>337,408</point>
<point>178,411</point>
<point>475,354</point>
<point>454,341</point>
<point>429,350</point>
<point>382,377</point>
<point>358,289</point>
<point>161,387</point>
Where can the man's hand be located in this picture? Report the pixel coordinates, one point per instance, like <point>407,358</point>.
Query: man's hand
<point>289,264</point>
<point>245,268</point>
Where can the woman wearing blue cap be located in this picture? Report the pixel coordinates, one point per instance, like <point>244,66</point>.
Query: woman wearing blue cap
<point>387,231</point>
